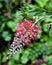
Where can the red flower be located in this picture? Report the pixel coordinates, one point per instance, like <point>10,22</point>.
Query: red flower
<point>27,30</point>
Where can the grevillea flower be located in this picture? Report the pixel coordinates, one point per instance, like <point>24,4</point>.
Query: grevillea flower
<point>25,31</point>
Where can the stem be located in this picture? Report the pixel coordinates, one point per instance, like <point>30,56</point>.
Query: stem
<point>42,18</point>
<point>49,24</point>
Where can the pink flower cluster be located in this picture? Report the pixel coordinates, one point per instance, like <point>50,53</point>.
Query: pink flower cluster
<point>26,31</point>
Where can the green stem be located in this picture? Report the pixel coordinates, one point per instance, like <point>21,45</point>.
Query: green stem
<point>42,18</point>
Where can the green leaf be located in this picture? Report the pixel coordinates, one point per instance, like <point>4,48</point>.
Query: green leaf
<point>4,59</point>
<point>11,63</point>
<point>12,25</point>
<point>15,2</point>
<point>48,19</point>
<point>42,3</point>
<point>0,59</point>
<point>6,35</point>
<point>18,16</point>
<point>45,28</point>
<point>38,36</point>
<point>49,8</point>
<point>16,56</point>
<point>1,5</point>
<point>43,64</point>
<point>50,32</point>
<point>24,57</point>
<point>2,27</point>
<point>49,58</point>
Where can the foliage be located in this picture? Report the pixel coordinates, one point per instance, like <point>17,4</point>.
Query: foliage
<point>13,13</point>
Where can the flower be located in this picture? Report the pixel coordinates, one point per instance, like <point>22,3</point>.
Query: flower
<point>27,30</point>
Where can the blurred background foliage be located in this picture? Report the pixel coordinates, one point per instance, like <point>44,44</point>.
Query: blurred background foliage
<point>13,12</point>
